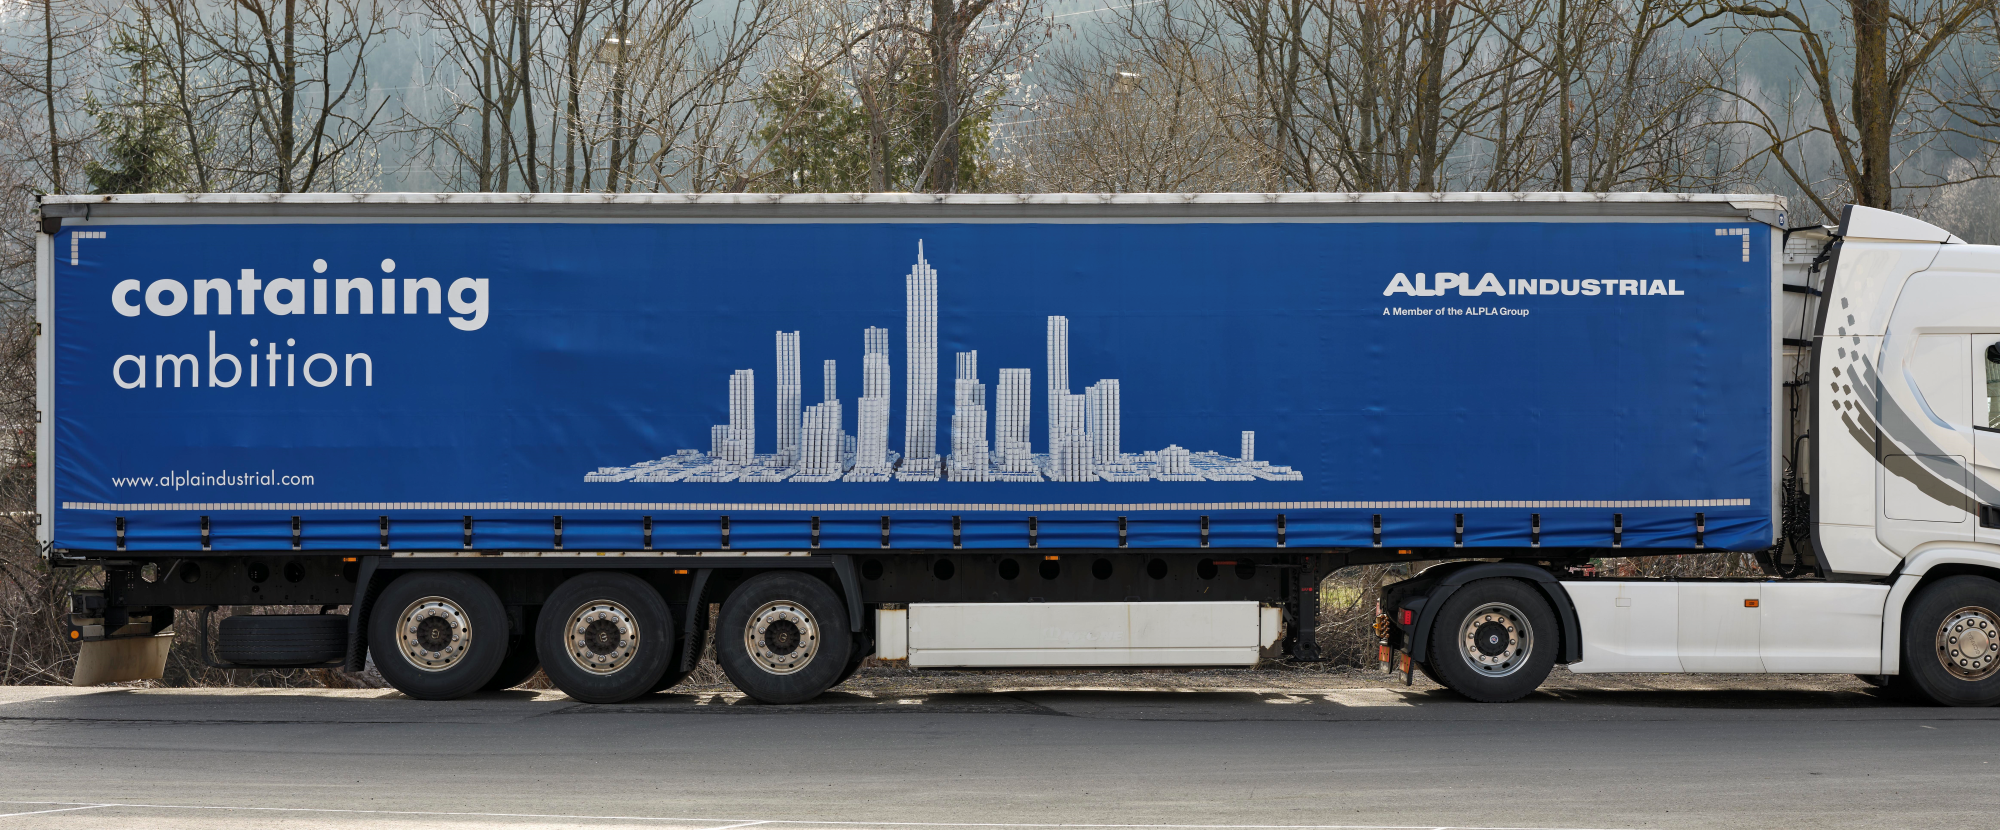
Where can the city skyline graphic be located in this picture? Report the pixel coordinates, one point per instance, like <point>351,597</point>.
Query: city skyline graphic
<point>811,445</point>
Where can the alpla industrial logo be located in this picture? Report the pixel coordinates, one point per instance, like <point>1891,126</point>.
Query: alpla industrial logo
<point>1435,285</point>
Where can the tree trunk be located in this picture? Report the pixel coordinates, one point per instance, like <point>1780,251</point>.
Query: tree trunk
<point>1430,97</point>
<point>573,109</point>
<point>527,94</point>
<point>1565,116</point>
<point>1874,112</point>
<point>944,69</point>
<point>288,92</point>
<point>878,137</point>
<point>49,93</point>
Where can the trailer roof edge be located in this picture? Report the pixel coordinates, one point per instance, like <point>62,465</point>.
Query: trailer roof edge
<point>912,205</point>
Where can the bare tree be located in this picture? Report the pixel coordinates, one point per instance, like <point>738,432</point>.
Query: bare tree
<point>1604,96</point>
<point>680,97</point>
<point>479,75</point>
<point>885,95</point>
<point>297,68</point>
<point>1890,52</point>
<point>1370,95</point>
<point>635,93</point>
<point>41,85</point>
<point>1147,111</point>
<point>973,45</point>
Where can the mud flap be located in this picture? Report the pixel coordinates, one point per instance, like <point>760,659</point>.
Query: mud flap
<point>122,658</point>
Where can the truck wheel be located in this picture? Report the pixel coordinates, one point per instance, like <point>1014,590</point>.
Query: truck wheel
<point>1494,640</point>
<point>521,661</point>
<point>1951,642</point>
<point>605,637</point>
<point>782,637</point>
<point>438,635</point>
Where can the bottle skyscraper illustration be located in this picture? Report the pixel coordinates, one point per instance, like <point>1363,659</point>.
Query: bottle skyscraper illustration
<point>989,437</point>
<point>920,460</point>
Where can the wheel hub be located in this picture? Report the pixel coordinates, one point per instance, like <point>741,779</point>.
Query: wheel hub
<point>782,637</point>
<point>1968,643</point>
<point>1495,639</point>
<point>603,637</point>
<point>1492,639</point>
<point>434,632</point>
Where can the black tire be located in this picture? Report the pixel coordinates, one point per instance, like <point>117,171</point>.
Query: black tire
<point>1424,668</point>
<point>1513,627</point>
<point>1955,607</point>
<point>521,661</point>
<point>615,623</point>
<point>282,640</point>
<point>864,648</point>
<point>805,639</point>
<point>440,604</point>
<point>673,675</point>
<point>677,668</point>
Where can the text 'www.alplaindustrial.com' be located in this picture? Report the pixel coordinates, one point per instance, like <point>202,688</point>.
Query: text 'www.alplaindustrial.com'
<point>178,480</point>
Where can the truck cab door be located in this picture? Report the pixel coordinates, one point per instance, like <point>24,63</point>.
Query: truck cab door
<point>1927,445</point>
<point>1986,434</point>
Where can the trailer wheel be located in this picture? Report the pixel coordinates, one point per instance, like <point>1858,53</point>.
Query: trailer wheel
<point>605,637</point>
<point>438,635</point>
<point>1951,643</point>
<point>782,637</point>
<point>1494,640</point>
<point>521,661</point>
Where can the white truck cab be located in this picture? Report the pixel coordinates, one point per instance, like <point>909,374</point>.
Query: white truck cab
<point>1900,451</point>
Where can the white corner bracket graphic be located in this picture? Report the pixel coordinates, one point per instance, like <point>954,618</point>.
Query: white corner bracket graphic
<point>74,252</point>
<point>1742,232</point>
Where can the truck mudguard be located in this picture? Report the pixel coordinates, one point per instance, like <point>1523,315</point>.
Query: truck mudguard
<point>1444,580</point>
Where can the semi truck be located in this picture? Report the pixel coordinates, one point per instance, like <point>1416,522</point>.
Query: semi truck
<point>466,436</point>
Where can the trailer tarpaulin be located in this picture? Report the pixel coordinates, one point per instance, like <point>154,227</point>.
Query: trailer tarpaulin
<point>1454,381</point>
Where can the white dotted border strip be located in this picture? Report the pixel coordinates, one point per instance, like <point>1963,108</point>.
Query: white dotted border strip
<point>752,507</point>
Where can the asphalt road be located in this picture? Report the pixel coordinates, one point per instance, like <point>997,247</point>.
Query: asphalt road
<point>1376,757</point>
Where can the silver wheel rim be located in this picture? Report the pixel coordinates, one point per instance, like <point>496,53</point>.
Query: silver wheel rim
<point>1496,639</point>
<point>1968,643</point>
<point>603,637</point>
<point>782,637</point>
<point>435,633</point>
